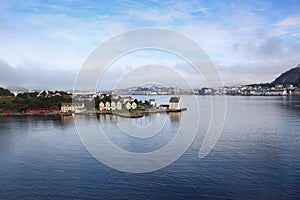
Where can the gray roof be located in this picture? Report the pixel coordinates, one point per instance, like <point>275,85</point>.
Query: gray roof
<point>174,99</point>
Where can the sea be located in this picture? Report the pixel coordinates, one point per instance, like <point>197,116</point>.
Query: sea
<point>253,152</point>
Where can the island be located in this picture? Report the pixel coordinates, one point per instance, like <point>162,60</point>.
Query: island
<point>49,103</point>
<point>124,106</point>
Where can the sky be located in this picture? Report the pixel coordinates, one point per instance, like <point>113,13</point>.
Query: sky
<point>45,43</point>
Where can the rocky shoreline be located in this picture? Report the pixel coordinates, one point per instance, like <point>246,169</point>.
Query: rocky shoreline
<point>125,114</point>
<point>140,113</point>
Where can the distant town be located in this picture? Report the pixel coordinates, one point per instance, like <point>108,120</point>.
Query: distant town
<point>247,90</point>
<point>120,102</point>
<point>117,101</point>
<point>288,83</point>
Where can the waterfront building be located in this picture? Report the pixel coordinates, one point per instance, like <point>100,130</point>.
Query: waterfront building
<point>113,105</point>
<point>101,106</point>
<point>119,105</point>
<point>128,105</point>
<point>107,105</point>
<point>152,102</point>
<point>175,103</point>
<point>133,105</point>
<point>72,107</point>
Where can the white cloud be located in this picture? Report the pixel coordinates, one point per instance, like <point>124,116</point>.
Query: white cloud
<point>239,36</point>
<point>289,25</point>
<point>291,21</point>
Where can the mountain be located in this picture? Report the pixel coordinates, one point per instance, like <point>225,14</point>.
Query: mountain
<point>17,88</point>
<point>290,77</point>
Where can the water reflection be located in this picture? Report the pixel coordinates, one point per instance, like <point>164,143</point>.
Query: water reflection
<point>66,119</point>
<point>152,116</point>
<point>257,156</point>
<point>107,117</point>
<point>175,117</point>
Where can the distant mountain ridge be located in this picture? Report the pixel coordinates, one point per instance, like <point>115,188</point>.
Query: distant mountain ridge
<point>290,77</point>
<point>16,88</point>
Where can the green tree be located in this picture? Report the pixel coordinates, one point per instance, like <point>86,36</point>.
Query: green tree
<point>5,92</point>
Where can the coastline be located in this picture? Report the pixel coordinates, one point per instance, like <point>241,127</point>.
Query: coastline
<point>29,114</point>
<point>139,113</point>
<point>123,113</point>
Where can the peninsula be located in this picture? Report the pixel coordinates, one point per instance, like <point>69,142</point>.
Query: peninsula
<point>63,103</point>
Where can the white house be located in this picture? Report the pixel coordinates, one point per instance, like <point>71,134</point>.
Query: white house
<point>113,105</point>
<point>107,105</point>
<point>116,105</point>
<point>175,103</point>
<point>119,105</point>
<point>114,96</point>
<point>133,105</point>
<point>152,102</point>
<point>72,107</point>
<point>126,99</point>
<point>101,106</point>
<point>163,107</point>
<point>274,92</point>
<point>128,105</point>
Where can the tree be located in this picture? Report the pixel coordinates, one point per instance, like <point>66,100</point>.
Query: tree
<point>5,92</point>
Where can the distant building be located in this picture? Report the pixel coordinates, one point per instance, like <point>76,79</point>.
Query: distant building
<point>119,105</point>
<point>44,93</point>
<point>101,106</point>
<point>8,111</point>
<point>127,99</point>
<point>116,105</point>
<point>128,105</point>
<point>113,105</point>
<point>163,107</point>
<point>152,102</point>
<point>133,105</point>
<point>114,96</point>
<point>72,107</point>
<point>107,105</point>
<point>175,103</point>
<point>275,92</point>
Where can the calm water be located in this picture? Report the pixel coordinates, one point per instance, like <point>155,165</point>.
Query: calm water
<point>256,157</point>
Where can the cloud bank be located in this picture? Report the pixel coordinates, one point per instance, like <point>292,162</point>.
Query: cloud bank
<point>44,43</point>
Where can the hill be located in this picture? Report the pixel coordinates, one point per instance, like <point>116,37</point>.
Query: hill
<point>17,88</point>
<point>5,92</point>
<point>290,77</point>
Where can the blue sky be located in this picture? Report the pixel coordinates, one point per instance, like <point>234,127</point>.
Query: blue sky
<point>44,43</point>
